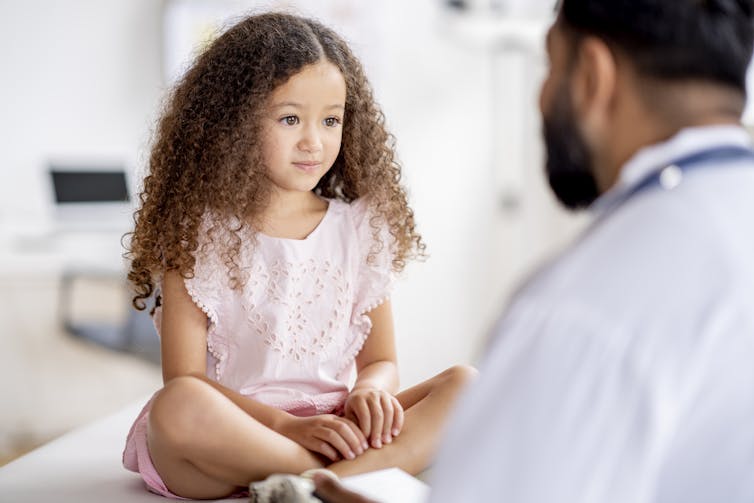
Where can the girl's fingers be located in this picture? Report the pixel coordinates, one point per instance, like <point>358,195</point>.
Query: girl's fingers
<point>397,417</point>
<point>387,418</point>
<point>321,446</point>
<point>364,417</point>
<point>377,424</point>
<point>352,435</point>
<point>360,437</point>
<point>379,416</point>
<point>333,437</point>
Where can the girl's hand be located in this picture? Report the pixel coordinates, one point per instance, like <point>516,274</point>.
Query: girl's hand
<point>332,436</point>
<point>378,414</point>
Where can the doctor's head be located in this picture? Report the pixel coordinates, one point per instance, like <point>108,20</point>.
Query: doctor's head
<point>627,73</point>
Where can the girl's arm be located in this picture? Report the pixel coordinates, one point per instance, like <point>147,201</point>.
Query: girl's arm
<point>184,348</point>
<point>372,403</point>
<point>184,353</point>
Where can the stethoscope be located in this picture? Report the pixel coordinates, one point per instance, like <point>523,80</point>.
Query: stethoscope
<point>670,176</point>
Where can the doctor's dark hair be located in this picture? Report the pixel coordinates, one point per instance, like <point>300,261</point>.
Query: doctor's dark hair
<point>707,40</point>
<point>206,152</point>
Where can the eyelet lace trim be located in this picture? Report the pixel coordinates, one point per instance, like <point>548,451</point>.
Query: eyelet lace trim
<point>298,288</point>
<point>362,326</point>
<point>216,348</point>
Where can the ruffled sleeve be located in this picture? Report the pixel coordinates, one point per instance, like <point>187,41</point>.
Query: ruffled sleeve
<point>374,275</point>
<point>375,271</point>
<point>206,290</point>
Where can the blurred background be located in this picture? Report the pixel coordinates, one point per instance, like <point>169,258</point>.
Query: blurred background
<point>82,85</point>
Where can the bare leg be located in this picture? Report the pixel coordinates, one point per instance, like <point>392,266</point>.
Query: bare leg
<point>427,406</point>
<point>205,447</point>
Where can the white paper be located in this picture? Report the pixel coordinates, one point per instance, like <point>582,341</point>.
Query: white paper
<point>391,485</point>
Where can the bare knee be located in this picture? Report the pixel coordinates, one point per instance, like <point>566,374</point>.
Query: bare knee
<point>180,416</point>
<point>458,376</point>
<point>179,411</point>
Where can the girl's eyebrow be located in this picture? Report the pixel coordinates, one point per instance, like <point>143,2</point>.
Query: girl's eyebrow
<point>298,105</point>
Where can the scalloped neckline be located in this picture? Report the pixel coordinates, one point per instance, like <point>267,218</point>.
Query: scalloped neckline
<point>311,234</point>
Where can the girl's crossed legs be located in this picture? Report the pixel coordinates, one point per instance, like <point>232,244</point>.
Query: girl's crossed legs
<point>204,446</point>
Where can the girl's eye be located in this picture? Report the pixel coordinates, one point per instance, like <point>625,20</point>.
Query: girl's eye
<point>331,121</point>
<point>289,120</point>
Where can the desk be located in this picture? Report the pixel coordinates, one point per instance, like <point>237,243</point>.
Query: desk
<point>51,382</point>
<point>39,250</point>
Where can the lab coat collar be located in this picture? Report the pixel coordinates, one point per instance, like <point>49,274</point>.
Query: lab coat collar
<point>655,157</point>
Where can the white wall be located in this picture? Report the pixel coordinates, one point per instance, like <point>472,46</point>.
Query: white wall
<point>82,79</point>
<point>80,83</point>
<point>467,124</point>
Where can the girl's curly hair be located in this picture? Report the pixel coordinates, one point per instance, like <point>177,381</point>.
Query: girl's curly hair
<point>206,155</point>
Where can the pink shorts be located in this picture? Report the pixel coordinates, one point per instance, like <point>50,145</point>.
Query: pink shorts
<point>136,457</point>
<point>136,453</point>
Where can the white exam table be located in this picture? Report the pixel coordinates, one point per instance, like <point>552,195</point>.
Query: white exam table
<point>85,466</point>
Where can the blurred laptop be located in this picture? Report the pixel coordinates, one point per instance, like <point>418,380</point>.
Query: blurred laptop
<point>90,198</point>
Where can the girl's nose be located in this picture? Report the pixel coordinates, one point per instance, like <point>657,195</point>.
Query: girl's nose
<point>310,141</point>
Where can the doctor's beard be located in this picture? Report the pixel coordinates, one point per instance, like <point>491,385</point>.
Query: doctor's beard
<point>569,164</point>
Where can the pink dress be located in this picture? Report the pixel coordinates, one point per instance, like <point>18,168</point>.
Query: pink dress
<point>289,337</point>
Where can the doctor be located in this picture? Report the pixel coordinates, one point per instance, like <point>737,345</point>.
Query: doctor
<point>624,370</point>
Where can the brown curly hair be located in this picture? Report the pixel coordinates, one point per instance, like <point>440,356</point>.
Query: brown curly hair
<point>206,151</point>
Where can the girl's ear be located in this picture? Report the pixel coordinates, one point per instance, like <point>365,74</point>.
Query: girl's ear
<point>594,85</point>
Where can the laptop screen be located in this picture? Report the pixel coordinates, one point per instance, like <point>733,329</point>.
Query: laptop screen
<point>72,186</point>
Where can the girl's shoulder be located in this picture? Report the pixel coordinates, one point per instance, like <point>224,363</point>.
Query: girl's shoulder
<point>356,211</point>
<point>364,226</point>
<point>355,217</point>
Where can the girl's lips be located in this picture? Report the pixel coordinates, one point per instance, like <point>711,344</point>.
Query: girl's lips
<point>307,166</point>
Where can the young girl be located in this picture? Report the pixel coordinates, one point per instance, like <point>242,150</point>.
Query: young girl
<point>271,224</point>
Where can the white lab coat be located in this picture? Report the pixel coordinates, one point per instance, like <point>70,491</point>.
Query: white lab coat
<point>624,370</point>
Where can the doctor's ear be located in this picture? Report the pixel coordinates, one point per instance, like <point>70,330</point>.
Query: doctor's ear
<point>594,83</point>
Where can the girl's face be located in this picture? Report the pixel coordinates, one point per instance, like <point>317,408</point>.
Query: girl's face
<point>303,127</point>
